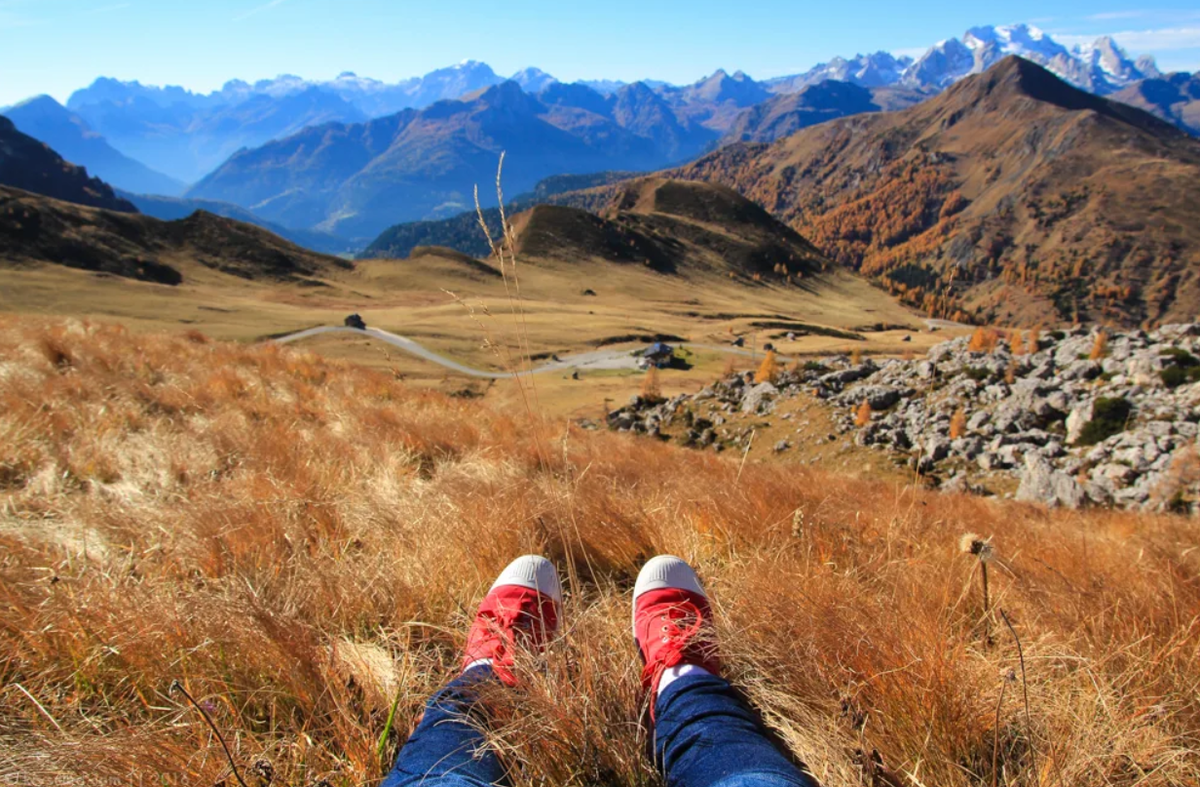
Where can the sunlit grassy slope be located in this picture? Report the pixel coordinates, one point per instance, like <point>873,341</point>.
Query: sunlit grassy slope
<point>300,542</point>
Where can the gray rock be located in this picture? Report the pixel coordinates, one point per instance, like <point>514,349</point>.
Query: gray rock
<point>967,447</point>
<point>1059,401</point>
<point>1080,417</point>
<point>1118,475</point>
<point>1041,483</point>
<point>937,448</point>
<point>978,420</point>
<point>851,375</point>
<point>1134,457</point>
<point>960,485</point>
<point>988,460</point>
<point>758,398</point>
<point>1052,450</point>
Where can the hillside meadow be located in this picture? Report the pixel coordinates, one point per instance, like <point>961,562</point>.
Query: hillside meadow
<point>300,543</point>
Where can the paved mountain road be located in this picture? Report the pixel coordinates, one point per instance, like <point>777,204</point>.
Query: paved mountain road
<point>598,359</point>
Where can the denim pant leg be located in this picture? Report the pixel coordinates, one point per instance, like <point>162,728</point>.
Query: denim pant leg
<point>446,750</point>
<point>706,737</point>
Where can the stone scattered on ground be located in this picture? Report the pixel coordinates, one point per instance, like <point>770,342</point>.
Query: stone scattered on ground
<point>1072,418</point>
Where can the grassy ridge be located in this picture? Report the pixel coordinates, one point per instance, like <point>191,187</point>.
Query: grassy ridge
<point>300,542</point>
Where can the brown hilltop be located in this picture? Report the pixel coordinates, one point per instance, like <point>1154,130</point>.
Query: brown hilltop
<point>35,229</point>
<point>671,226</point>
<point>1012,196</point>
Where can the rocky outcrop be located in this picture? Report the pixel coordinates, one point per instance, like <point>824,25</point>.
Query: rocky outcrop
<point>1077,421</point>
<point>1060,426</point>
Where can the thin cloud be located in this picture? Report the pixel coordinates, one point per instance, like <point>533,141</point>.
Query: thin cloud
<point>108,9</point>
<point>259,10</point>
<point>1108,16</point>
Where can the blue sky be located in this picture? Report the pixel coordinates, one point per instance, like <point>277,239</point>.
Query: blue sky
<point>56,46</point>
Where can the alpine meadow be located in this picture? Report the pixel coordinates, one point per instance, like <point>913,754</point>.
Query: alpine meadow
<point>348,423</point>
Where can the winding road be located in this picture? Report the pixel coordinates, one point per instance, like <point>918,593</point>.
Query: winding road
<point>596,360</point>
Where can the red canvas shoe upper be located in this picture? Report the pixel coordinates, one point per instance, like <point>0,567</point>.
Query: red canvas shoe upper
<point>673,626</point>
<point>510,616</point>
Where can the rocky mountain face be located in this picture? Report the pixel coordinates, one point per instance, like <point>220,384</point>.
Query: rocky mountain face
<point>533,80</point>
<point>1101,67</point>
<point>787,113</point>
<point>1011,197</point>
<point>46,120</point>
<point>357,180</point>
<point>880,69</point>
<point>1062,418</point>
<point>1173,97</point>
<point>29,165</point>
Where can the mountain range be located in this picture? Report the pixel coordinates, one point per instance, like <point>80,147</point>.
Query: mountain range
<point>356,180</point>
<point>1011,197</point>
<point>1173,97</point>
<point>186,135</point>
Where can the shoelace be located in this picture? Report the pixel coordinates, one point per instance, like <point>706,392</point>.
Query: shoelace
<point>675,632</point>
<point>507,622</point>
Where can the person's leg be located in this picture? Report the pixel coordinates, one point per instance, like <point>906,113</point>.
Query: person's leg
<point>447,749</point>
<point>704,736</point>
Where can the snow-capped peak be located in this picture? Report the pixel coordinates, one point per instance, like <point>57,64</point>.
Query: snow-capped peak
<point>1101,67</point>
<point>533,80</point>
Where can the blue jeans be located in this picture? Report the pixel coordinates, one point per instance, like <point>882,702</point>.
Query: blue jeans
<point>704,737</point>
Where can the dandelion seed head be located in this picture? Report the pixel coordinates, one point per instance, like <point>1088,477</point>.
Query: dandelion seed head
<point>972,544</point>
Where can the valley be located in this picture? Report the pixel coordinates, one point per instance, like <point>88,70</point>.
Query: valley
<point>460,308</point>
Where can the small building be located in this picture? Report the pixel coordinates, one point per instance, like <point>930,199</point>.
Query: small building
<point>659,354</point>
<point>355,321</point>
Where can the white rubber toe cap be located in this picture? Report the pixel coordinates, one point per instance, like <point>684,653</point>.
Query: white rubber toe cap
<point>667,571</point>
<point>534,572</point>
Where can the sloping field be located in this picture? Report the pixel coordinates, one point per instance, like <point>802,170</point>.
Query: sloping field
<point>300,542</point>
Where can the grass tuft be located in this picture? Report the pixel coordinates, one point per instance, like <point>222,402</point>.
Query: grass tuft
<point>300,543</point>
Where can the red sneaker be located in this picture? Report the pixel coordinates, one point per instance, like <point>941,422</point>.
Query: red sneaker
<point>521,609</point>
<point>672,621</point>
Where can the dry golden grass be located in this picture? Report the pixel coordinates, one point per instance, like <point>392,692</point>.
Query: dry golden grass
<point>301,542</point>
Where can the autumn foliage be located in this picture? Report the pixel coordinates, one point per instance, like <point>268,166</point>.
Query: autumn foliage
<point>651,388</point>
<point>768,370</point>
<point>983,340</point>
<point>958,424</point>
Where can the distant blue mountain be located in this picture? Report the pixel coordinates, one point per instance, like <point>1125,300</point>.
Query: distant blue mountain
<point>47,121</point>
<point>175,208</point>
